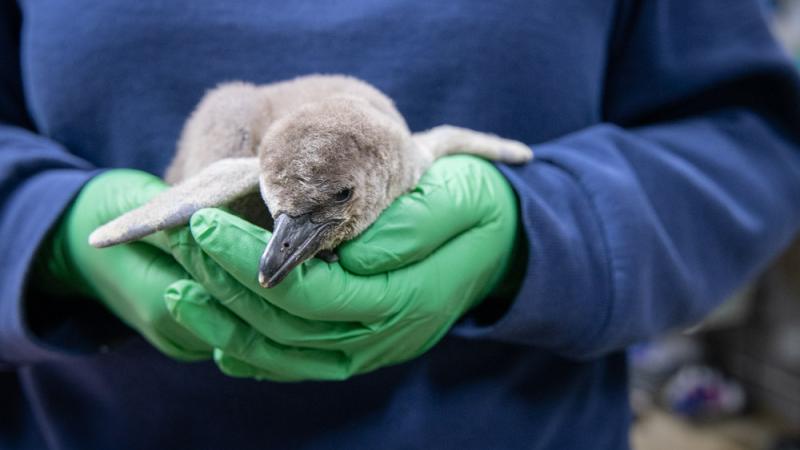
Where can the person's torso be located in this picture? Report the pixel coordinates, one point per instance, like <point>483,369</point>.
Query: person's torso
<point>114,81</point>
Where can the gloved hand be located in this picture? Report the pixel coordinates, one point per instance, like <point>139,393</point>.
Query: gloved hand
<point>129,279</point>
<point>398,288</point>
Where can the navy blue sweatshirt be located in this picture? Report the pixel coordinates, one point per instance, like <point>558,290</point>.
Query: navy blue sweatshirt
<point>667,173</point>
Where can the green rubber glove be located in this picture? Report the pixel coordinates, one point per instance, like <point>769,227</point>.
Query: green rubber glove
<point>128,279</point>
<point>431,256</point>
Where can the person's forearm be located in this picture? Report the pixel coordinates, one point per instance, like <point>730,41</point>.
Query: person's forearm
<point>38,179</point>
<point>37,182</point>
<point>647,221</point>
<point>631,232</point>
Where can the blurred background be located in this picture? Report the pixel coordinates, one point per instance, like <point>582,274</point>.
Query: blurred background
<point>733,382</point>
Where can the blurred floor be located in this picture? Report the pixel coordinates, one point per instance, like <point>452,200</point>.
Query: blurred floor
<point>658,430</point>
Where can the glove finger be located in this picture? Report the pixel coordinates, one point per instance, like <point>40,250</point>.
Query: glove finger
<point>115,199</point>
<point>159,240</point>
<point>448,200</point>
<point>163,240</point>
<point>159,324</point>
<point>314,290</point>
<point>177,351</point>
<point>459,274</point>
<point>135,295</point>
<point>272,321</point>
<point>427,318</point>
<point>234,367</point>
<point>225,331</point>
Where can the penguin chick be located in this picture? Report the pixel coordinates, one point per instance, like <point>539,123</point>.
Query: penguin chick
<point>327,172</point>
<point>327,154</point>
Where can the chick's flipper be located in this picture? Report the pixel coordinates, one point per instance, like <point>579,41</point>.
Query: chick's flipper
<point>218,184</point>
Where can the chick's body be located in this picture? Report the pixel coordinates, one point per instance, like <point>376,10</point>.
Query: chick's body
<point>231,119</point>
<point>312,135</point>
<point>327,153</point>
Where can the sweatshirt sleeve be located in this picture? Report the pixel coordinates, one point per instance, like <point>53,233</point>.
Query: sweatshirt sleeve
<point>38,179</point>
<point>690,186</point>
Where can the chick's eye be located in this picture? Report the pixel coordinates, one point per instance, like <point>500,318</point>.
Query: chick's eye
<point>343,195</point>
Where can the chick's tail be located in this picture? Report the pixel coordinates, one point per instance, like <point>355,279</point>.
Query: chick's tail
<point>447,140</point>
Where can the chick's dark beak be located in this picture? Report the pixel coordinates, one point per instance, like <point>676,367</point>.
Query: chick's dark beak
<point>294,240</point>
